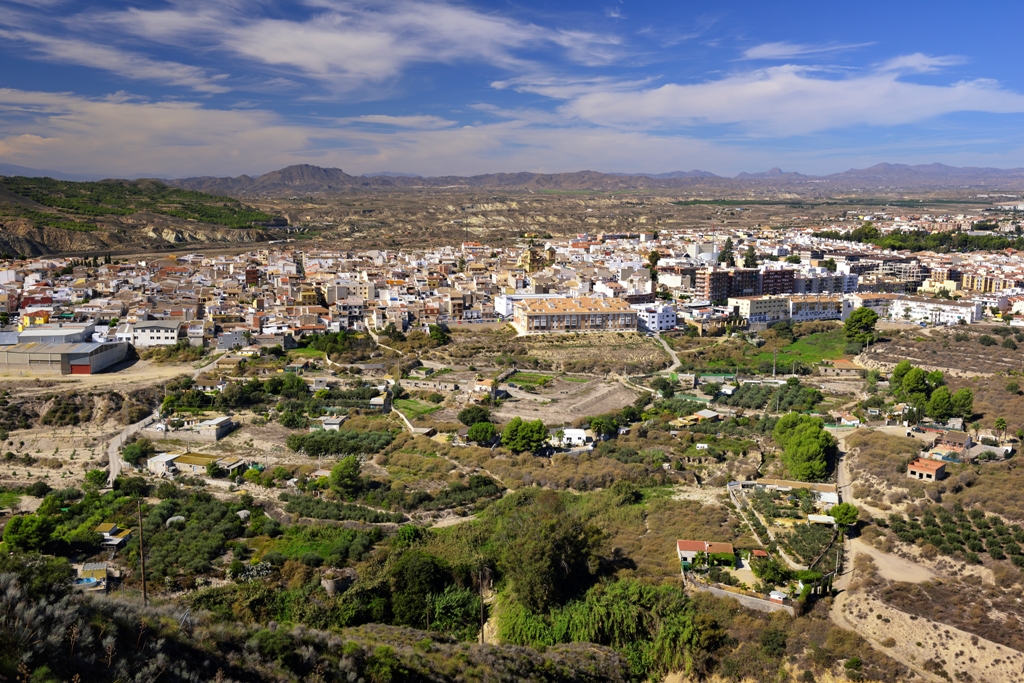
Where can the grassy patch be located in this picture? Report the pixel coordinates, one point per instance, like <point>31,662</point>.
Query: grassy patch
<point>414,409</point>
<point>530,379</point>
<point>305,353</point>
<point>581,380</point>
<point>809,350</point>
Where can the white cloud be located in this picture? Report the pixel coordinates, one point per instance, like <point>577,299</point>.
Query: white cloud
<point>789,100</point>
<point>785,50</point>
<point>123,63</point>
<point>414,122</point>
<point>348,45</point>
<point>920,63</point>
<point>125,137</point>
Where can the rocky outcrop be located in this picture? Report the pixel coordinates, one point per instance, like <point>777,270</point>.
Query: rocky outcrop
<point>136,233</point>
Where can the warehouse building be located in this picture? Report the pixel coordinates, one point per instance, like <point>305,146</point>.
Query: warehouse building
<point>85,358</point>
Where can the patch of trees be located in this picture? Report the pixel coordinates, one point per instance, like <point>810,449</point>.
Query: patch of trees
<point>482,433</point>
<point>138,450</point>
<point>656,627</point>
<point>964,534</point>
<point>806,446</point>
<point>791,396</point>
<point>520,436</point>
<point>316,545</point>
<point>921,240</point>
<point>342,442</point>
<point>474,414</point>
<point>320,508</point>
<point>860,326</point>
<point>188,547</point>
<point>927,392</point>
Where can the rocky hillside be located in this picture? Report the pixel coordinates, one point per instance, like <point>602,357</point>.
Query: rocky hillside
<point>44,216</point>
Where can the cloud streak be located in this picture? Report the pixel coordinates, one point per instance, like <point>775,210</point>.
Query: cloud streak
<point>786,50</point>
<point>123,63</point>
<point>792,101</point>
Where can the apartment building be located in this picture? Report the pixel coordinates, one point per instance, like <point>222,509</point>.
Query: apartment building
<point>761,309</point>
<point>935,311</point>
<point>585,314</point>
<point>808,307</point>
<point>823,281</point>
<point>718,284</point>
<point>655,318</point>
<point>879,303</point>
<point>775,280</point>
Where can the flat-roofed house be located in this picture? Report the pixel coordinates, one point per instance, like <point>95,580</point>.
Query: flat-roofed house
<point>926,470</point>
<point>112,534</point>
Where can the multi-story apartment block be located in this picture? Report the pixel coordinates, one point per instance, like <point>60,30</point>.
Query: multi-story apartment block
<point>817,307</point>
<point>585,314</point>
<point>934,311</point>
<point>718,284</point>
<point>655,318</point>
<point>823,281</point>
<point>761,309</point>
<point>775,280</point>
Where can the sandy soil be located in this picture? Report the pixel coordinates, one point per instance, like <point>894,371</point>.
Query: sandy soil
<point>708,496</point>
<point>566,401</point>
<point>914,641</point>
<point>892,567</point>
<point>138,374</point>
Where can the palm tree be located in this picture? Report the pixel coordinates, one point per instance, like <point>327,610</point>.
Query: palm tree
<point>1001,427</point>
<point>975,426</point>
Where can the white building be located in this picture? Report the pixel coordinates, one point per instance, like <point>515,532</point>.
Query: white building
<point>655,318</point>
<point>149,333</point>
<point>574,437</point>
<point>935,311</point>
<point>504,303</point>
<point>877,302</point>
<point>803,308</point>
<point>761,309</point>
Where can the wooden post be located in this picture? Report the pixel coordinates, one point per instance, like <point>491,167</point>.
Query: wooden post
<point>142,558</point>
<point>482,638</point>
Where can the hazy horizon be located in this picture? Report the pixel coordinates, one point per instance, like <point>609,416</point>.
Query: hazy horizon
<point>177,88</point>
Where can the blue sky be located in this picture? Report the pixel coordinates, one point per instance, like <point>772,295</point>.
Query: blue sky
<point>201,87</point>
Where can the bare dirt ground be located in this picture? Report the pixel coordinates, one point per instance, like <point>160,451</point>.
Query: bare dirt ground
<point>138,374</point>
<point>937,349</point>
<point>564,402</point>
<point>892,567</point>
<point>708,496</point>
<point>927,646</point>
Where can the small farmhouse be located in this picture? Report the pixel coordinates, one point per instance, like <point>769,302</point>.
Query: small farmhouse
<point>926,470</point>
<point>688,551</point>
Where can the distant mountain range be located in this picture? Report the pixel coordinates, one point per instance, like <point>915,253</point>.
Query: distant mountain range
<point>306,179</point>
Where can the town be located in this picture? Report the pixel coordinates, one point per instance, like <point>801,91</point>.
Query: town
<point>809,415</point>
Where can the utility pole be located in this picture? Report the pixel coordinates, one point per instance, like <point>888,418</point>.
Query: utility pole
<point>481,582</point>
<point>142,557</point>
<point>775,361</point>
